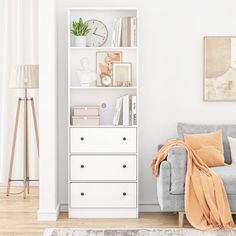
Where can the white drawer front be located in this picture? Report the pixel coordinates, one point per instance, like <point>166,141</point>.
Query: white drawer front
<point>103,167</point>
<point>103,140</point>
<point>102,195</point>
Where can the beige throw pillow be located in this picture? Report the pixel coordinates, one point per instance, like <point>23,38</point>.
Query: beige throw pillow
<point>208,146</point>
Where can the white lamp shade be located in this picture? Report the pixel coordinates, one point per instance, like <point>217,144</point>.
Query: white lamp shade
<point>25,76</point>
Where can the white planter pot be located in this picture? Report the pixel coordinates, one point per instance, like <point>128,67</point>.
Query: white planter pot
<point>80,41</point>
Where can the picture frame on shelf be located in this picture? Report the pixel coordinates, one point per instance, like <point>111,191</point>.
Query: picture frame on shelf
<point>122,74</point>
<point>104,64</point>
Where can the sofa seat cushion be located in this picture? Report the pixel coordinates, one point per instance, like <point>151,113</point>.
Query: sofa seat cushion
<point>228,176</point>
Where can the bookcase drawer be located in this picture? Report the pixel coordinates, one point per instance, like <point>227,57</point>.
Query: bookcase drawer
<point>103,195</point>
<point>103,140</point>
<point>103,168</point>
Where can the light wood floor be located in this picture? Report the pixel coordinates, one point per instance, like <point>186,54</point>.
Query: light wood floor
<point>19,217</point>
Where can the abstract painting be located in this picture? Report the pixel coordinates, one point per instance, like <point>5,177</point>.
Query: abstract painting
<point>104,63</point>
<point>220,68</point>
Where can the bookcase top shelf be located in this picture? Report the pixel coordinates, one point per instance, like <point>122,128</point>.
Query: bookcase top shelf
<point>102,9</point>
<point>102,88</point>
<point>103,48</point>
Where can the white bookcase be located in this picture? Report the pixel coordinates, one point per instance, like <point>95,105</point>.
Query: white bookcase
<point>102,159</point>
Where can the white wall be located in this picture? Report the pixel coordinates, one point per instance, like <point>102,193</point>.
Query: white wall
<point>171,68</point>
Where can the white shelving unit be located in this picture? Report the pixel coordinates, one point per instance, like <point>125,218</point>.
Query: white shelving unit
<point>102,159</point>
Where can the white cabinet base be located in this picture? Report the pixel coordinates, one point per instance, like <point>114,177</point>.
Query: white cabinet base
<point>103,213</point>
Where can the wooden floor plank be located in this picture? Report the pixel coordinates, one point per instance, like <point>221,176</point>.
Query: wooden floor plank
<point>18,217</point>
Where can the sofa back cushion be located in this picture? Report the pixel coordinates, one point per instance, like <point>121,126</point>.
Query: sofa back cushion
<point>227,130</point>
<point>232,144</point>
<point>209,147</point>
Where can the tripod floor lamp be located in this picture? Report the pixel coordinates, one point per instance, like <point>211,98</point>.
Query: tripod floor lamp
<point>24,77</point>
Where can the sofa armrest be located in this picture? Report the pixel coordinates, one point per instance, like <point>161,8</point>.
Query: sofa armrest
<point>163,184</point>
<point>177,157</point>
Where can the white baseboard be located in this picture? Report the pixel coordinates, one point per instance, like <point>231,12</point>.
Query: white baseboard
<point>49,215</point>
<point>149,207</point>
<point>103,213</point>
<point>143,207</point>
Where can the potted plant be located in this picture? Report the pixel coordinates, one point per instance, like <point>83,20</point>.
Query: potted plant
<point>80,29</point>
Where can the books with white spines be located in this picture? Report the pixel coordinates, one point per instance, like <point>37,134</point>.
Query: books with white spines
<point>117,114</point>
<point>133,110</point>
<point>126,110</point>
<point>124,32</point>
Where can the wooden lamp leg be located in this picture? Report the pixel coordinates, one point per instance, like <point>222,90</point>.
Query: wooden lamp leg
<point>26,142</point>
<point>25,145</point>
<point>13,146</point>
<point>35,123</point>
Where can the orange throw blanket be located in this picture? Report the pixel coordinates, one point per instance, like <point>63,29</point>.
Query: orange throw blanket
<point>206,202</point>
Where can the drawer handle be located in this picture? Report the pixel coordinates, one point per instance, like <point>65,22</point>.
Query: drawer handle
<point>124,138</point>
<point>82,194</point>
<point>124,166</point>
<point>82,166</point>
<point>82,138</point>
<point>124,194</point>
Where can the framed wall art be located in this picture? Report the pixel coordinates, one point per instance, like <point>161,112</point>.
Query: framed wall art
<point>104,66</point>
<point>219,68</point>
<point>122,74</point>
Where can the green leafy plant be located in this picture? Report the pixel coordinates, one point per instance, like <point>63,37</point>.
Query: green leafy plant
<point>80,28</point>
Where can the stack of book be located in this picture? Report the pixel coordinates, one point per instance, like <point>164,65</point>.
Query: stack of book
<point>124,32</point>
<point>125,111</point>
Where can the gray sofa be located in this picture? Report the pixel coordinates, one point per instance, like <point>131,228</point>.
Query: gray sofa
<point>171,180</point>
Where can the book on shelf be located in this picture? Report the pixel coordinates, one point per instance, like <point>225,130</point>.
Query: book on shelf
<point>117,114</point>
<point>134,110</point>
<point>125,111</point>
<point>124,32</point>
<point>119,34</point>
<point>116,32</point>
<point>133,31</point>
<point>113,37</point>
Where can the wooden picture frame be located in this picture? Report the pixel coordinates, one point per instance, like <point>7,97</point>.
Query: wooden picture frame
<point>122,74</point>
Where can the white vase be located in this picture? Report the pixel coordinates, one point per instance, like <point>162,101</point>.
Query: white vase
<point>80,41</point>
